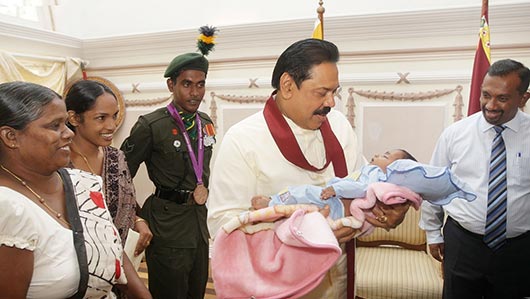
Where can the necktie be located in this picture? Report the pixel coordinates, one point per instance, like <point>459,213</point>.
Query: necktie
<point>495,235</point>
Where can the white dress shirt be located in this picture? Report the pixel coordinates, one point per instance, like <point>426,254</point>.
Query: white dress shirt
<point>465,147</point>
<point>249,163</point>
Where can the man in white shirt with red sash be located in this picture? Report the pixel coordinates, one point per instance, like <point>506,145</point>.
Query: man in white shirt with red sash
<point>297,139</point>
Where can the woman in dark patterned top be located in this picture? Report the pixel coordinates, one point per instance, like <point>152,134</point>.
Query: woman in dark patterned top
<point>92,112</point>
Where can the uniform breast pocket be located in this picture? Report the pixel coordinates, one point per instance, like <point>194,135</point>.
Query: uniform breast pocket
<point>174,147</point>
<point>521,167</point>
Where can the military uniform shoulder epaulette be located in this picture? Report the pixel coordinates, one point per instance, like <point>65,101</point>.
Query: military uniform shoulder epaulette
<point>156,115</point>
<point>205,116</point>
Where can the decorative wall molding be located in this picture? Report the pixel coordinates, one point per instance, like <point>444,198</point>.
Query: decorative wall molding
<point>458,104</point>
<point>39,35</point>
<point>374,37</point>
<point>157,87</point>
<point>146,102</point>
<point>350,104</point>
<point>233,99</point>
<point>357,79</point>
<point>240,99</point>
<point>426,30</point>
<point>404,97</point>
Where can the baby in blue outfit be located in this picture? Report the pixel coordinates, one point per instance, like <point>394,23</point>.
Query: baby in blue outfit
<point>434,184</point>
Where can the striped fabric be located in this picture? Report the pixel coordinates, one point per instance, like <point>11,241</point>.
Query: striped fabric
<point>389,271</point>
<point>495,235</point>
<point>384,273</point>
<point>408,232</point>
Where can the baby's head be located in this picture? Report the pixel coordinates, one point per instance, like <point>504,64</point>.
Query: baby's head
<point>382,161</point>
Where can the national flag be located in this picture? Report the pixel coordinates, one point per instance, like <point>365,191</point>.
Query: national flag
<point>482,61</point>
<point>317,31</point>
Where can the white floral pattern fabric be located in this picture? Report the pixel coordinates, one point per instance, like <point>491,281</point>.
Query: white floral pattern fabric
<point>102,240</point>
<point>25,225</point>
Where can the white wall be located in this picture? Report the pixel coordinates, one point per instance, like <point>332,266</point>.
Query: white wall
<point>436,47</point>
<point>100,18</point>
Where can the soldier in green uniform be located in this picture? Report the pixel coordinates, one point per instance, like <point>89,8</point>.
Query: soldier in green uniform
<point>175,143</point>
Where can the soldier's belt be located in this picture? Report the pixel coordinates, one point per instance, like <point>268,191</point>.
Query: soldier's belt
<point>177,196</point>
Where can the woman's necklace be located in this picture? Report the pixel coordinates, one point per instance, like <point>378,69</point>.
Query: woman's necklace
<point>85,159</point>
<point>41,200</point>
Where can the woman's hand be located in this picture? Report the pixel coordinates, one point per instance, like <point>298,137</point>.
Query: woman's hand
<point>135,288</point>
<point>140,226</point>
<point>388,216</point>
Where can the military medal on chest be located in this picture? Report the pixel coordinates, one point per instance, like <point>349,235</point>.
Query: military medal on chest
<point>200,194</point>
<point>177,144</point>
<point>209,134</point>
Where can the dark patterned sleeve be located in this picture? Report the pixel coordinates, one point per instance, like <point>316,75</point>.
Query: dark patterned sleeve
<point>120,192</point>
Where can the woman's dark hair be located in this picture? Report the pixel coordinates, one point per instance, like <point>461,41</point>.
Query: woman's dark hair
<point>83,94</point>
<point>507,66</point>
<point>407,155</point>
<point>298,59</point>
<point>22,103</point>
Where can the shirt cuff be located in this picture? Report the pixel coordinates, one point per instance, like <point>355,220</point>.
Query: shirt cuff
<point>434,237</point>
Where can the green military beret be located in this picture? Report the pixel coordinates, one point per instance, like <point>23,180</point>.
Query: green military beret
<point>188,61</point>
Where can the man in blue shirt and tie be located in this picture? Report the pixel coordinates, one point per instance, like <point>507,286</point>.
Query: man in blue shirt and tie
<point>484,245</point>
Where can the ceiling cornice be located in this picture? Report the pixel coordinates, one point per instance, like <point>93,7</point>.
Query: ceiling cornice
<point>375,35</point>
<point>39,36</point>
<point>423,30</point>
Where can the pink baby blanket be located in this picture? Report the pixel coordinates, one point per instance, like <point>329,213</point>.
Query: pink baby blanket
<point>286,261</point>
<point>387,193</point>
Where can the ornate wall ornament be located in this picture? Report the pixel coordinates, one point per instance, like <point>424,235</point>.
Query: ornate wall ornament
<point>404,97</point>
<point>458,104</point>
<point>350,108</point>
<point>213,110</point>
<point>146,102</point>
<point>233,99</point>
<point>403,78</point>
<point>350,104</point>
<point>253,82</point>
<point>135,88</point>
<point>240,99</point>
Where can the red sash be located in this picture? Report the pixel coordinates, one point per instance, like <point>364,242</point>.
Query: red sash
<point>286,142</point>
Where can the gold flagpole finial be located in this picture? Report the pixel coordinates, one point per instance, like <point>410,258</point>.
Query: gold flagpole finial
<point>320,11</point>
<point>320,8</point>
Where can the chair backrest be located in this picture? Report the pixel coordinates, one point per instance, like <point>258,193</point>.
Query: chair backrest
<point>407,235</point>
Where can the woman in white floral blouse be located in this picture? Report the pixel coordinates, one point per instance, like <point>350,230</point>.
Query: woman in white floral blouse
<point>57,239</point>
